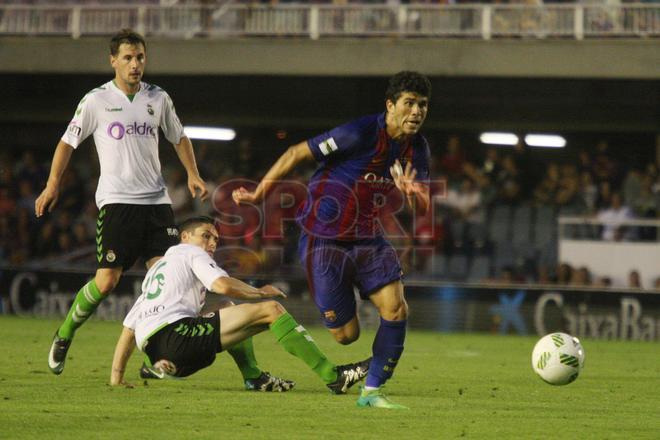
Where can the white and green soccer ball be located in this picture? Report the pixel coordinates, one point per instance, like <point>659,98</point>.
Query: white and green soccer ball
<point>558,358</point>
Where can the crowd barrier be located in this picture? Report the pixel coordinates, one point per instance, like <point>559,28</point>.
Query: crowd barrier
<point>514,309</point>
<point>485,21</point>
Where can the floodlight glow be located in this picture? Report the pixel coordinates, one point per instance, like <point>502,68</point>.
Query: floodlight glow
<point>495,138</point>
<point>545,140</point>
<point>210,133</point>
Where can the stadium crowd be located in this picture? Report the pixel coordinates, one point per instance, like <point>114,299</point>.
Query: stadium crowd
<point>494,217</point>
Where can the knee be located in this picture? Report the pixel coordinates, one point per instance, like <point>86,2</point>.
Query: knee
<point>106,282</point>
<point>346,337</point>
<point>395,312</point>
<point>273,310</point>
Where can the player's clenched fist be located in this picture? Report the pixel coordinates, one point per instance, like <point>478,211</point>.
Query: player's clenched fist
<point>242,195</point>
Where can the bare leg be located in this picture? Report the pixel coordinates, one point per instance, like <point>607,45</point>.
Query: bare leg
<point>240,322</point>
<point>348,333</point>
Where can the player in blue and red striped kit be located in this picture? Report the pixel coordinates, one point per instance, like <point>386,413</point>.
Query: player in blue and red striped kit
<point>341,245</point>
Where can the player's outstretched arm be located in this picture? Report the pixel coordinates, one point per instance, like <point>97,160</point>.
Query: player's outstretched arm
<point>123,351</point>
<point>184,150</point>
<point>48,197</point>
<point>236,288</point>
<point>293,156</point>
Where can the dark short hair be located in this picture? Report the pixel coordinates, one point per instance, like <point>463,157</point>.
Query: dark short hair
<point>125,36</point>
<point>407,81</point>
<point>194,222</point>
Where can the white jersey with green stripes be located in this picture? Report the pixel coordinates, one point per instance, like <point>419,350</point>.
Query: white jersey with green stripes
<point>174,288</point>
<point>126,136</point>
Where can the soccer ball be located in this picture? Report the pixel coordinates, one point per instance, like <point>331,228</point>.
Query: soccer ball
<point>558,358</point>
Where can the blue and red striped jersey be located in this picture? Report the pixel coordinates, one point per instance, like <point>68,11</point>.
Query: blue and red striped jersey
<point>353,180</point>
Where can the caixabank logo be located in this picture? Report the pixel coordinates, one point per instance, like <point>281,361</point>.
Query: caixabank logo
<point>117,130</point>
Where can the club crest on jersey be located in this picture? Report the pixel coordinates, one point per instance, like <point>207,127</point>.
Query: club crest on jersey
<point>330,316</point>
<point>328,146</point>
<point>110,256</point>
<point>150,109</point>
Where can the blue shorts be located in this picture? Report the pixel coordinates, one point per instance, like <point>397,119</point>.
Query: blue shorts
<point>335,267</point>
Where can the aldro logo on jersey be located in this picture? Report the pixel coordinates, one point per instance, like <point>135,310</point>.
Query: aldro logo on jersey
<point>117,130</point>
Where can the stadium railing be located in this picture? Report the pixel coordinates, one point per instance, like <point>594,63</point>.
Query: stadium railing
<point>478,21</point>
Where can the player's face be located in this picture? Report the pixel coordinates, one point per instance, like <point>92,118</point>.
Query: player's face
<point>129,64</point>
<point>204,236</point>
<point>406,116</point>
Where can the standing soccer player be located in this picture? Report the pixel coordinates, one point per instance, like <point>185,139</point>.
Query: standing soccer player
<point>135,216</point>
<point>340,245</point>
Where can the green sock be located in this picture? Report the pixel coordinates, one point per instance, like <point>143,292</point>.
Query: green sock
<point>243,354</point>
<point>87,299</point>
<point>295,339</point>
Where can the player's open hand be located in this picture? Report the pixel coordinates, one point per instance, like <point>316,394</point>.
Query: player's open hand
<point>269,291</point>
<point>195,183</point>
<point>405,179</point>
<point>46,200</point>
<point>242,195</point>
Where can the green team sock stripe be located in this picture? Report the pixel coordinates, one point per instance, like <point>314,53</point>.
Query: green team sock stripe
<point>86,301</point>
<point>89,296</point>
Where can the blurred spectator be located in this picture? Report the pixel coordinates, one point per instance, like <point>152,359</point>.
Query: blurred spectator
<point>491,164</point>
<point>452,161</point>
<point>508,183</point>
<point>564,274</point>
<point>30,170</point>
<point>467,210</point>
<point>568,197</point>
<point>604,198</point>
<point>634,280</point>
<point>632,186</point>
<point>604,167</point>
<point>546,192</point>
<point>581,277</point>
<point>525,166</point>
<point>177,188</point>
<point>588,193</point>
<point>605,282</point>
<point>612,219</point>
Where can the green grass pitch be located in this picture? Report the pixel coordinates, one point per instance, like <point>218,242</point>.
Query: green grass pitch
<point>474,386</point>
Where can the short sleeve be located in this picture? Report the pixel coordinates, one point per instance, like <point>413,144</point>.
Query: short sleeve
<point>130,319</point>
<point>343,139</point>
<point>82,124</point>
<point>169,121</point>
<point>205,269</point>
